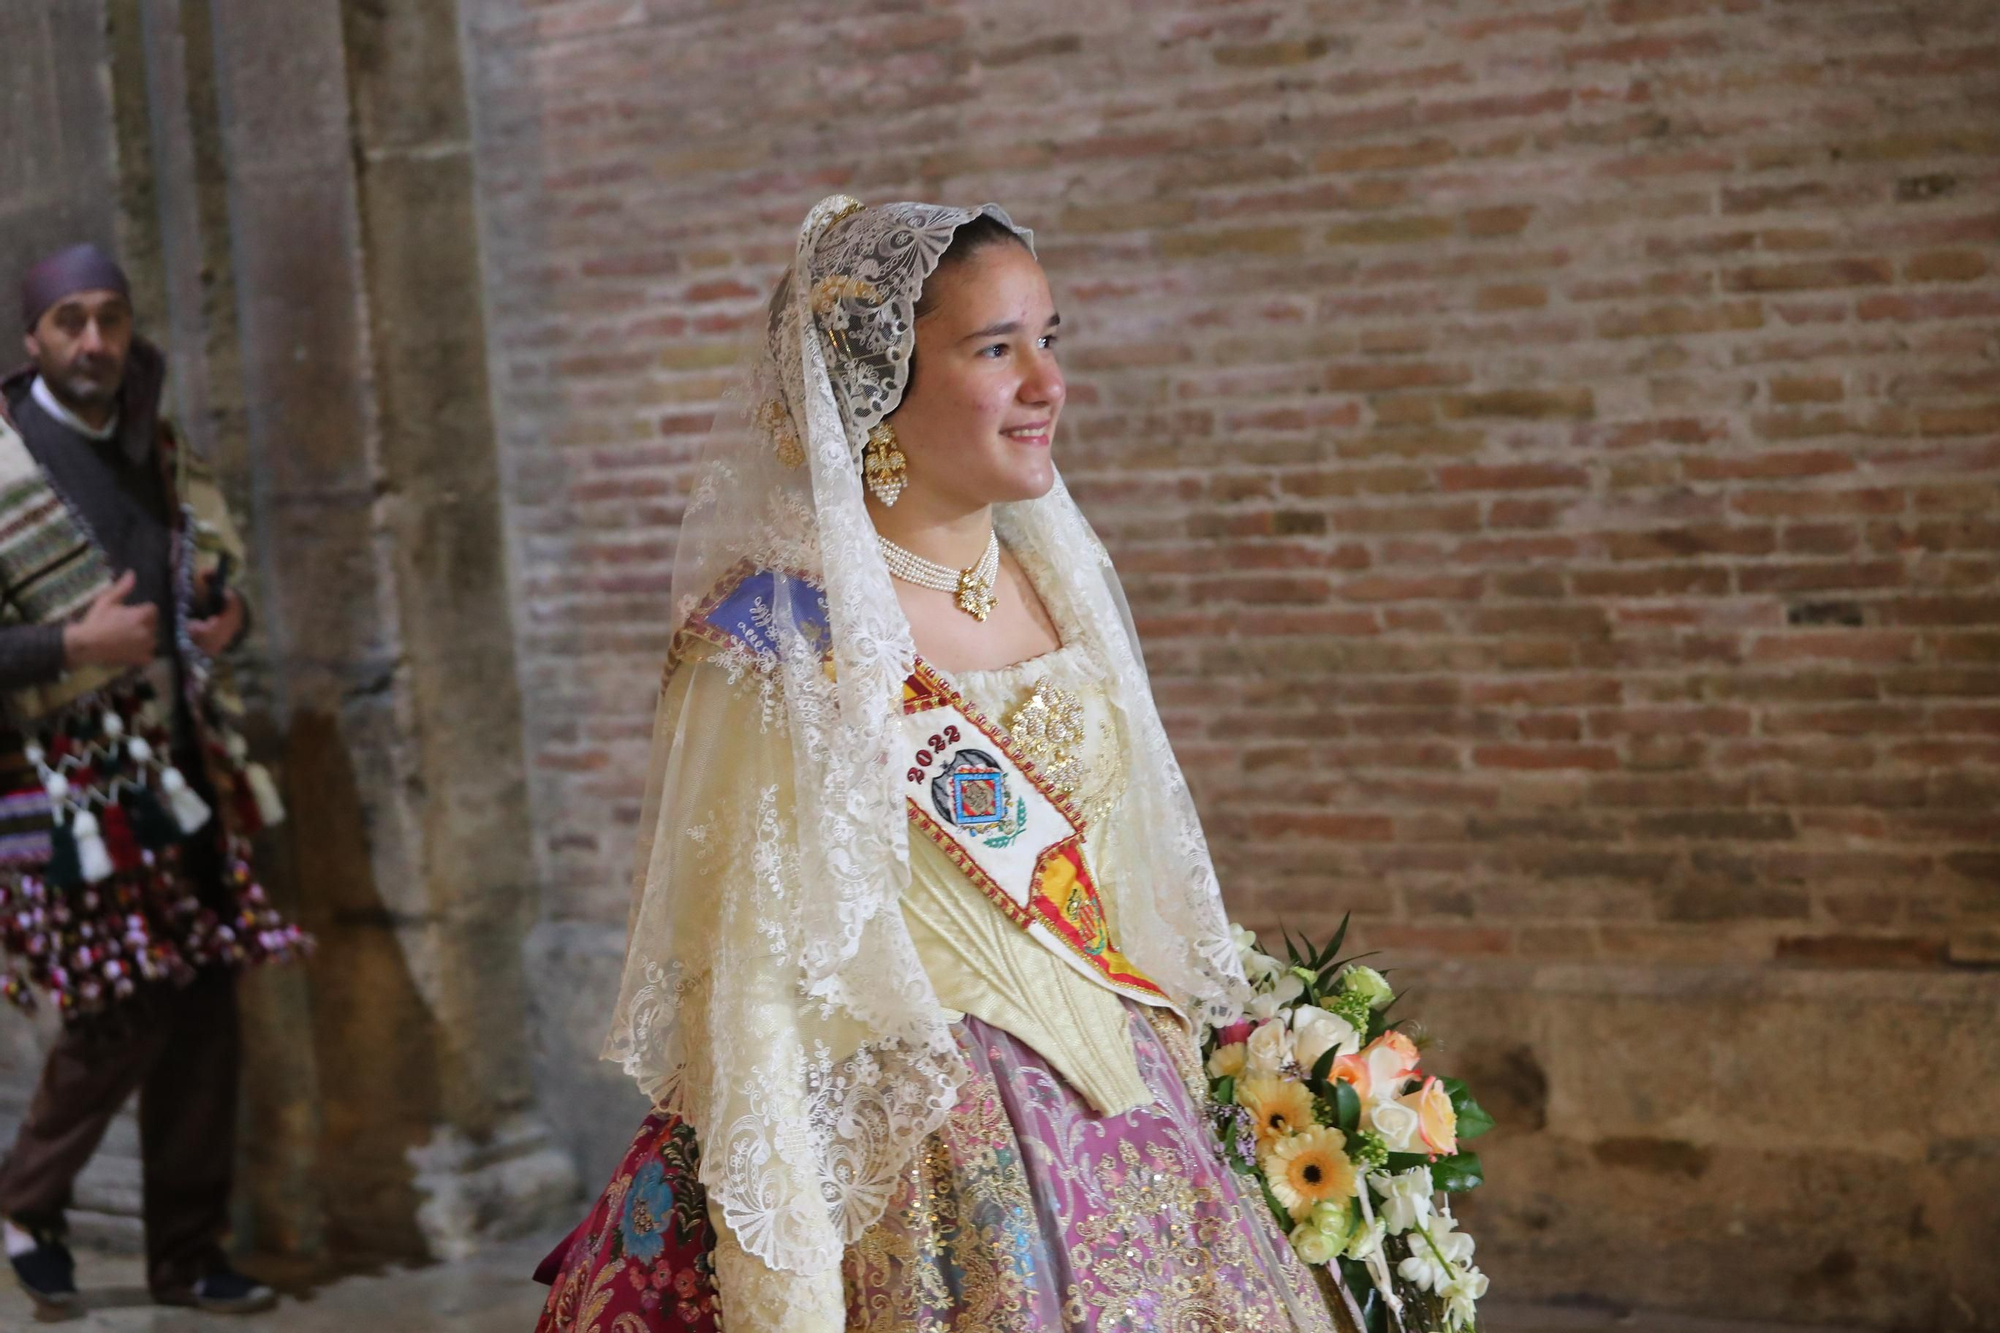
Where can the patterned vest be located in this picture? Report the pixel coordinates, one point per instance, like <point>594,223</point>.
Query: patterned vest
<point>117,868</point>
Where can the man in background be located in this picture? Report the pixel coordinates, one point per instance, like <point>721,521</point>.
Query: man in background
<point>136,515</point>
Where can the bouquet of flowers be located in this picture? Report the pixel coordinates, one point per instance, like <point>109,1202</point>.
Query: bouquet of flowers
<point>1357,1150</point>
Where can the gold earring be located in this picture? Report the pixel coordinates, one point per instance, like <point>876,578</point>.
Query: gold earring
<point>883,466</point>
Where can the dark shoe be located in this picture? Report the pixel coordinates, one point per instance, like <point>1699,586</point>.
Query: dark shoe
<point>48,1275</point>
<point>223,1291</point>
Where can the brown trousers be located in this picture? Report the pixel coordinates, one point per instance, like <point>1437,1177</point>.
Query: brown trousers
<point>180,1048</point>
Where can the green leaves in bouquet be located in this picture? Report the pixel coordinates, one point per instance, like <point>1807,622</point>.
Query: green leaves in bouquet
<point>1336,1094</point>
<point>1323,964</point>
<point>1472,1117</point>
<point>1454,1175</point>
<point>1328,962</point>
<point>1316,1080</point>
<point>1323,960</point>
<point>1378,1019</point>
<point>1458,1173</point>
<point>1351,1107</point>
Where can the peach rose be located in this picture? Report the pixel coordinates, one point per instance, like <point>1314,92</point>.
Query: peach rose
<point>1437,1119</point>
<point>1391,1058</point>
<point>1353,1071</point>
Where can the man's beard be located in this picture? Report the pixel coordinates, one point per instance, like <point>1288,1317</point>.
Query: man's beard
<point>87,388</point>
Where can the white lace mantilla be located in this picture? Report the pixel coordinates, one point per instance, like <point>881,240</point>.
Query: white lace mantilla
<point>771,992</point>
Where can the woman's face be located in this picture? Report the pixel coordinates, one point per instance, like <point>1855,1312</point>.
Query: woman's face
<point>979,414</point>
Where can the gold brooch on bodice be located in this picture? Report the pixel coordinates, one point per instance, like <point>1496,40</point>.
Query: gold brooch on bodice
<point>1048,729</point>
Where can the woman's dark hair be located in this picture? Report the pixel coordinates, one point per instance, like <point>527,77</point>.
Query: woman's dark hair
<point>982,233</point>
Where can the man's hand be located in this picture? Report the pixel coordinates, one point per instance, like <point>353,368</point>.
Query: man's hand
<point>214,635</point>
<point>111,633</point>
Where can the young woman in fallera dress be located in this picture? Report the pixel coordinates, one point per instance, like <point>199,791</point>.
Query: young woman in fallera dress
<point>923,913</point>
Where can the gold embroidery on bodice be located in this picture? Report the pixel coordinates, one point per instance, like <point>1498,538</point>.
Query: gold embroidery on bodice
<point>1057,709</point>
<point>1049,730</point>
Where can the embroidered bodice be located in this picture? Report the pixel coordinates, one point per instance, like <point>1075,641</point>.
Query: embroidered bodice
<point>1058,710</point>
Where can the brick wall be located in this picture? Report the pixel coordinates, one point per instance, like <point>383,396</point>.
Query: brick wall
<point>1553,451</point>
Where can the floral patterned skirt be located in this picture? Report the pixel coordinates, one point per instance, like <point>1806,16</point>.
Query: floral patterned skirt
<point>1025,1211</point>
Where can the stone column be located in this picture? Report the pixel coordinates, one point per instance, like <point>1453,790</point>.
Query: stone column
<point>174,179</point>
<point>355,262</point>
<point>58,170</point>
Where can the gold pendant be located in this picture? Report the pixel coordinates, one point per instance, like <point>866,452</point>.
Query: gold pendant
<point>974,597</point>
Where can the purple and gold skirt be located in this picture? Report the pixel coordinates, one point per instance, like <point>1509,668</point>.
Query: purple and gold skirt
<point>1026,1211</point>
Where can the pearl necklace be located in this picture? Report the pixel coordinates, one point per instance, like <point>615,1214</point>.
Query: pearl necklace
<point>974,586</point>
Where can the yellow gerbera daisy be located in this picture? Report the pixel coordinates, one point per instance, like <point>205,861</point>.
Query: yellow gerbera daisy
<point>1280,1106</point>
<point>1310,1168</point>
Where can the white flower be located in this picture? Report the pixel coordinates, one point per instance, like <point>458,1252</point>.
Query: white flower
<point>1401,1128</point>
<point>1367,1240</point>
<point>1459,1295</point>
<point>1455,1245</point>
<point>1260,967</point>
<point>1360,979</point>
<point>1314,1030</point>
<point>1267,1050</point>
<point>1313,1245</point>
<point>1337,1220</point>
<point>1437,1254</point>
<point>1424,1269</point>
<point>1284,990</point>
<point>1406,1198</point>
<point>1257,965</point>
